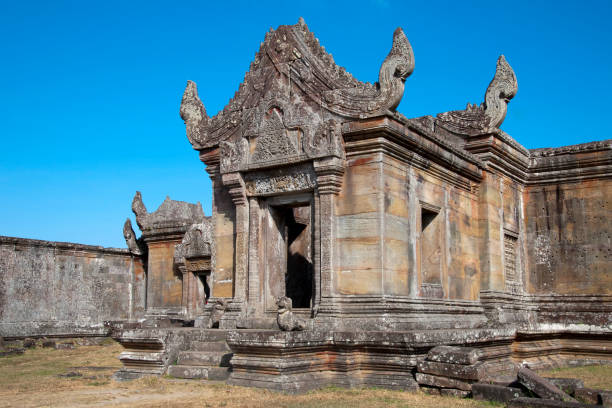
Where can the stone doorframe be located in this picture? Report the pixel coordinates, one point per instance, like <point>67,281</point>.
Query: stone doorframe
<point>261,301</point>
<point>328,173</point>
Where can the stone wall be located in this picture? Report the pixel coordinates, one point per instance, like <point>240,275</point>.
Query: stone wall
<point>569,227</point>
<point>57,288</point>
<point>568,223</point>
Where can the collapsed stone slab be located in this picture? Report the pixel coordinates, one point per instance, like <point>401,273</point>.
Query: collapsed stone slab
<point>442,382</point>
<point>593,396</point>
<point>498,393</point>
<point>465,372</point>
<point>524,402</point>
<point>541,387</point>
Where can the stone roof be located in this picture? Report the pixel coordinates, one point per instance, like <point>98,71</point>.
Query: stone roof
<point>291,57</point>
<point>171,213</point>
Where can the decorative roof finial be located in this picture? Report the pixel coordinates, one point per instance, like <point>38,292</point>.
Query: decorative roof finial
<point>194,114</point>
<point>130,239</point>
<point>394,70</point>
<point>139,209</point>
<point>502,88</point>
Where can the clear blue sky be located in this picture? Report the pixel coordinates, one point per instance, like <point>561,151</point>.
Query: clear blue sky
<point>90,90</point>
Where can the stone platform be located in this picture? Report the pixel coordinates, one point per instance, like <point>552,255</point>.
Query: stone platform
<point>296,362</point>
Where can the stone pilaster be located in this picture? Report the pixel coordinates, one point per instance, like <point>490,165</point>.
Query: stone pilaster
<point>235,184</point>
<point>254,277</point>
<point>329,182</point>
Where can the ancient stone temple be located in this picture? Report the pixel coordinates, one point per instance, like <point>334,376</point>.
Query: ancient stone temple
<point>347,240</point>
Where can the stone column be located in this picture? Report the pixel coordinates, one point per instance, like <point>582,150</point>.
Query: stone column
<point>236,187</point>
<point>329,182</point>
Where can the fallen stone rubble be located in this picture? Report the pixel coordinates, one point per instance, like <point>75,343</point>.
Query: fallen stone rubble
<point>458,371</point>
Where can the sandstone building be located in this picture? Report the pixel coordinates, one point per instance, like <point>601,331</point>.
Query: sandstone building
<point>347,240</point>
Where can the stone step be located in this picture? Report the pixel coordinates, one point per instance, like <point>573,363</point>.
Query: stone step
<point>199,372</point>
<point>204,358</point>
<point>210,346</point>
<point>213,335</point>
<point>188,371</point>
<point>218,373</point>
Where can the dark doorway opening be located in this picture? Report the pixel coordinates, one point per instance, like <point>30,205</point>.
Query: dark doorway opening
<point>295,221</point>
<point>204,286</point>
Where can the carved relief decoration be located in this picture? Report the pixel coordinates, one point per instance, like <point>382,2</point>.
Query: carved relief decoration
<point>491,113</point>
<point>291,68</point>
<point>282,180</point>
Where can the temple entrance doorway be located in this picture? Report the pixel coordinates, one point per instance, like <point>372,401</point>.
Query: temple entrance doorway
<point>289,253</point>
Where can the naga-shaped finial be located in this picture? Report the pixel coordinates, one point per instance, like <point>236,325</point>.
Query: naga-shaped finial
<point>194,114</point>
<point>502,88</point>
<point>394,70</point>
<point>130,238</point>
<point>139,209</point>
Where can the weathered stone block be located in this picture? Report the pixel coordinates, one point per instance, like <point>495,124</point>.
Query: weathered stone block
<point>567,385</point>
<point>452,392</point>
<point>430,390</point>
<point>64,346</point>
<point>443,382</point>
<point>465,372</point>
<point>524,402</point>
<point>606,398</point>
<point>29,343</point>
<point>588,395</point>
<point>540,386</point>
<point>49,344</point>
<point>498,393</point>
<point>187,371</point>
<point>454,355</point>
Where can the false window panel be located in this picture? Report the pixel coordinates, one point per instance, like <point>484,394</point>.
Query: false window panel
<point>511,273</point>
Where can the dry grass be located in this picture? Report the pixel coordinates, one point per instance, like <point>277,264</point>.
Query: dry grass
<point>35,380</point>
<point>599,377</point>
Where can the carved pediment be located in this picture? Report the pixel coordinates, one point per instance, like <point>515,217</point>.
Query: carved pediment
<point>275,139</point>
<point>281,132</point>
<point>293,68</point>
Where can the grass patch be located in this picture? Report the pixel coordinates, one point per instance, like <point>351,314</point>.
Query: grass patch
<point>594,376</point>
<point>38,378</point>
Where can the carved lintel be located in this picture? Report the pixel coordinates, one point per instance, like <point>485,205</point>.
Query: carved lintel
<point>329,175</point>
<point>237,190</point>
<point>298,178</point>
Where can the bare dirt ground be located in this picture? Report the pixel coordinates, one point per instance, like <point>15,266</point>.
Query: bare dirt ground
<point>80,377</point>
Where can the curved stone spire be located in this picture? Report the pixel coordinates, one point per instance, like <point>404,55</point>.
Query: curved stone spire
<point>502,88</point>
